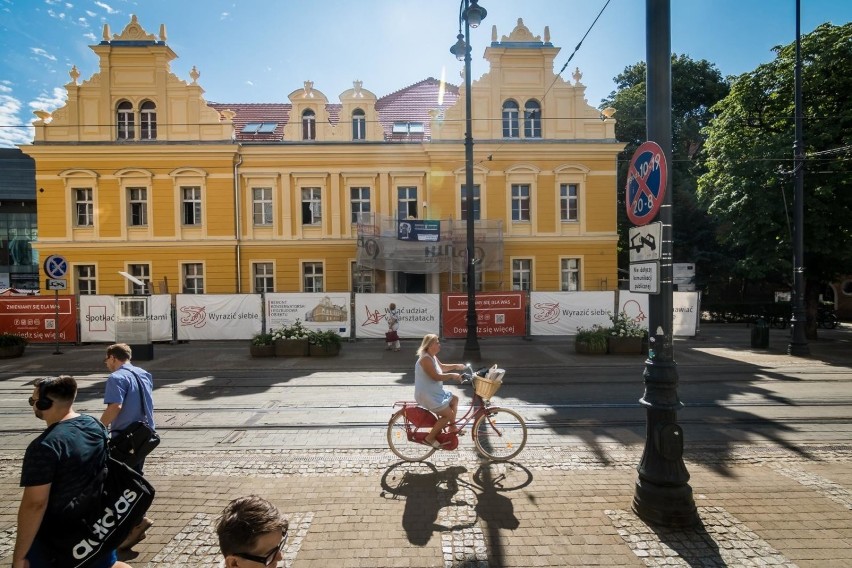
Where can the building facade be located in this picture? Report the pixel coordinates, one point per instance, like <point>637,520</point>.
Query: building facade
<point>18,261</point>
<point>138,173</point>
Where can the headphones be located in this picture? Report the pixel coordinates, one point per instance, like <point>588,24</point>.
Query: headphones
<point>43,403</point>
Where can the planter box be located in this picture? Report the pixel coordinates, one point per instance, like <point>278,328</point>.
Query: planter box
<point>324,350</point>
<point>292,348</point>
<point>624,345</point>
<point>262,350</point>
<point>589,348</point>
<point>10,351</point>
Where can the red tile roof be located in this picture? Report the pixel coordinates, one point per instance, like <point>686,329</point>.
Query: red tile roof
<point>410,104</point>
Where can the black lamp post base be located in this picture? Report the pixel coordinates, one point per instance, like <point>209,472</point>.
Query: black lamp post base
<point>668,506</point>
<point>472,354</point>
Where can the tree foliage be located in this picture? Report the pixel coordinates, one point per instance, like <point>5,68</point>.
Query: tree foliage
<point>696,87</point>
<point>749,181</point>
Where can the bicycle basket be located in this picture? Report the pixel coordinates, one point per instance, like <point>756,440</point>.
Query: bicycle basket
<point>486,387</point>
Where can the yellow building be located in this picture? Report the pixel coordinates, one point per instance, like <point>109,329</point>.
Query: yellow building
<point>138,173</point>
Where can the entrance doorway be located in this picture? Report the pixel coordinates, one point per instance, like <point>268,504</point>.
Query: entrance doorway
<point>410,283</point>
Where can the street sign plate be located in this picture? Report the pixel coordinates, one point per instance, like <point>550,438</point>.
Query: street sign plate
<point>57,284</point>
<point>646,183</point>
<point>645,277</point>
<point>645,242</point>
<point>55,266</point>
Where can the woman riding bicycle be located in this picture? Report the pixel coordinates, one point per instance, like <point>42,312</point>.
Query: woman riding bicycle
<point>429,375</point>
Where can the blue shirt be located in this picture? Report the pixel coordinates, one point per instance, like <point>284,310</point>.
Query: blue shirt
<point>123,388</point>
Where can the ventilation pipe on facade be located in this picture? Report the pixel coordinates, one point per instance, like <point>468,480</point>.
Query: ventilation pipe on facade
<point>237,224</point>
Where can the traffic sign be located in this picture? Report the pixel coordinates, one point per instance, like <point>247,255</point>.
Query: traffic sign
<point>645,242</point>
<point>646,183</point>
<point>55,266</point>
<point>645,277</point>
<point>56,284</point>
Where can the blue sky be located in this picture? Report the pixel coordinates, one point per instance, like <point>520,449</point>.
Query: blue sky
<point>261,50</point>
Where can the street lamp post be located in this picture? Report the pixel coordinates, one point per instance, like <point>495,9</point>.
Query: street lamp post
<point>471,14</point>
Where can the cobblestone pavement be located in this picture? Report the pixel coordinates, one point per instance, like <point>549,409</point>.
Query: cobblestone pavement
<point>759,505</point>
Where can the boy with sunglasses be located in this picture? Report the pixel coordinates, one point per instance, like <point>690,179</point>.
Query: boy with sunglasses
<point>251,533</point>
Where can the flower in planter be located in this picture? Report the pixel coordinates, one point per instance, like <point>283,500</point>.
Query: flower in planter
<point>594,337</point>
<point>623,326</point>
<point>262,339</point>
<point>295,331</point>
<point>327,338</point>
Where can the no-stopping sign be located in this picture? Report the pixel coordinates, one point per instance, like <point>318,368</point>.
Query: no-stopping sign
<point>646,183</point>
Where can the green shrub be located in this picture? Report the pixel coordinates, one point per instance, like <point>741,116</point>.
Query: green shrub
<point>295,331</point>
<point>262,339</point>
<point>594,336</point>
<point>326,338</point>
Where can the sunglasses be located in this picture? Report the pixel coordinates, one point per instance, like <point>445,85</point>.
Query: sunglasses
<point>32,400</point>
<point>269,558</point>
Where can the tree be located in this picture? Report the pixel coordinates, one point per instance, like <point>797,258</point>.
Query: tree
<point>749,183</point>
<point>696,87</point>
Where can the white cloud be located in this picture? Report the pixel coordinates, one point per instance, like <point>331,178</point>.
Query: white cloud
<point>69,5</point>
<point>91,14</point>
<point>50,102</point>
<point>249,83</point>
<point>109,9</point>
<point>12,129</point>
<point>90,36</point>
<point>42,53</point>
<point>59,16</point>
<point>224,15</point>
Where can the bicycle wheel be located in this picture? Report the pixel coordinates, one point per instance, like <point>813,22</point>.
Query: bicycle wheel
<point>500,434</point>
<point>829,321</point>
<point>399,443</point>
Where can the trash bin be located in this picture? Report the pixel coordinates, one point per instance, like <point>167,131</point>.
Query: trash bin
<point>760,334</point>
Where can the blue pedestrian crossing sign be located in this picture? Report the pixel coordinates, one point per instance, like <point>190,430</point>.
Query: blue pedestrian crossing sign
<point>55,266</point>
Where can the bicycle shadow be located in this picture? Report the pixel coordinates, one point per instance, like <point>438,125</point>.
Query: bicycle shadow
<point>452,500</point>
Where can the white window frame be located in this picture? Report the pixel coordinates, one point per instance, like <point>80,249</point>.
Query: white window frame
<point>84,207</point>
<point>125,121</point>
<point>192,277</point>
<point>309,125</point>
<point>312,199</point>
<point>511,128</point>
<point>263,277</point>
<point>148,121</point>
<point>137,206</point>
<point>360,202</point>
<point>363,280</point>
<point>406,202</point>
<point>191,205</point>
<point>568,203</point>
<point>567,273</point>
<point>86,279</point>
<point>142,271</point>
<point>313,276</point>
<point>477,203</point>
<point>522,273</point>
<point>359,124</point>
<point>261,205</point>
<point>523,202</point>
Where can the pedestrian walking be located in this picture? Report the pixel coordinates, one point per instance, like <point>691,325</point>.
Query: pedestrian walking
<point>251,531</point>
<point>129,399</point>
<point>392,335</point>
<point>59,465</point>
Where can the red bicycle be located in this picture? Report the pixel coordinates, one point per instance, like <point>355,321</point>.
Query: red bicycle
<point>498,433</point>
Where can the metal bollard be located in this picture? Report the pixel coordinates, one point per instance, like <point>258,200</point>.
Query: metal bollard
<point>760,334</point>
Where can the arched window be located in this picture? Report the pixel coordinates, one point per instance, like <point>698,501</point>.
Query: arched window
<point>510,119</point>
<point>309,125</point>
<point>124,120</point>
<point>532,119</point>
<point>148,120</point>
<point>359,124</point>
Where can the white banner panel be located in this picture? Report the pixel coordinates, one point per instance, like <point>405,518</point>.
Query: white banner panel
<point>211,316</point>
<point>685,313</point>
<point>320,310</point>
<point>635,305</point>
<point>97,318</point>
<point>561,313</point>
<point>419,314</point>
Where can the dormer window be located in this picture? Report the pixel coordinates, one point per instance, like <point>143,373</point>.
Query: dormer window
<point>510,119</point>
<point>309,125</point>
<point>359,124</point>
<point>532,119</point>
<point>404,127</point>
<point>124,120</point>
<point>259,128</point>
<point>148,120</point>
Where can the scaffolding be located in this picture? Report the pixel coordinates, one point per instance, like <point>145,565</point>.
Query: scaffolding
<point>431,246</point>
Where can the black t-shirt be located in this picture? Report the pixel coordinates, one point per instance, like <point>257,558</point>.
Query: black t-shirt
<point>69,455</point>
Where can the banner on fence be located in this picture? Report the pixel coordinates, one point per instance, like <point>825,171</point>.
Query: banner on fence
<point>97,318</point>
<point>561,313</point>
<point>497,313</point>
<point>34,317</point>
<point>419,314</point>
<point>319,311</point>
<point>213,317</point>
